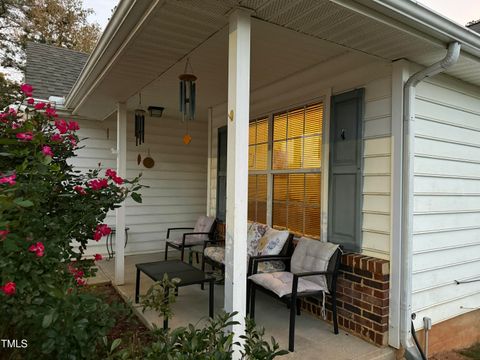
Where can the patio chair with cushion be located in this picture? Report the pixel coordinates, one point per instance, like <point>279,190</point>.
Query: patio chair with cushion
<point>204,230</point>
<point>312,270</point>
<point>261,241</point>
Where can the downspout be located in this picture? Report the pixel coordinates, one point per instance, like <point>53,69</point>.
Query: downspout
<point>407,200</point>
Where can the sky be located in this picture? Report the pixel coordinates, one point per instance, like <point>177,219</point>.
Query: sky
<point>103,10</point>
<point>461,11</point>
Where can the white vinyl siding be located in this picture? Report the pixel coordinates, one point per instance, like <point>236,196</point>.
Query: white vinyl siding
<point>446,242</point>
<point>376,226</point>
<point>307,87</point>
<point>177,183</point>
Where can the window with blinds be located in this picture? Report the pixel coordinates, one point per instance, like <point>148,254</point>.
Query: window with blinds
<point>257,198</point>
<point>295,151</point>
<point>258,162</point>
<point>296,167</point>
<point>258,145</point>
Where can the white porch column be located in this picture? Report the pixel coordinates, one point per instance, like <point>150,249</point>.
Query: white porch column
<point>120,212</point>
<point>237,167</point>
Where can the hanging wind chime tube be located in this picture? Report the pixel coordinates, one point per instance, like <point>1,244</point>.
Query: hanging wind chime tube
<point>139,123</point>
<point>187,93</point>
<point>187,98</point>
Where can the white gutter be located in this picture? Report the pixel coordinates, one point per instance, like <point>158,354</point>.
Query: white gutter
<point>435,23</point>
<point>408,188</point>
<point>419,21</point>
<point>123,8</point>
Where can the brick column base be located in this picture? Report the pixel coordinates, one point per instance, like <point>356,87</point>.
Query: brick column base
<point>362,298</point>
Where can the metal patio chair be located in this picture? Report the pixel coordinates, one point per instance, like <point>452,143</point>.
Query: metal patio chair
<point>204,230</point>
<point>312,271</point>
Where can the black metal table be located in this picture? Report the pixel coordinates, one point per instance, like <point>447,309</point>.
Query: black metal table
<point>187,274</point>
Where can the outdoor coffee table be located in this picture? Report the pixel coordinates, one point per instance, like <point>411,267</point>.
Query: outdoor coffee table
<point>187,274</point>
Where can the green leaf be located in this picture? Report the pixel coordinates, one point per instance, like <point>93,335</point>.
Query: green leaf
<point>8,141</point>
<point>47,320</point>
<point>46,160</point>
<point>23,203</point>
<point>116,343</point>
<point>136,197</point>
<point>10,245</point>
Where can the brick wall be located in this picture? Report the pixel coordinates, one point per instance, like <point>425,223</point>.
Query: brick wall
<point>362,298</point>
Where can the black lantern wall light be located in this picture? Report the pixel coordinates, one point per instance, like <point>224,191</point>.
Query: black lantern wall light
<point>153,111</point>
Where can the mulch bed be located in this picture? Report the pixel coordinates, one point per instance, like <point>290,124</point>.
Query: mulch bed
<point>129,328</point>
<point>472,353</point>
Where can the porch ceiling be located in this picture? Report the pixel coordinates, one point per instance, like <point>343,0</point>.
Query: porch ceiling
<point>287,37</point>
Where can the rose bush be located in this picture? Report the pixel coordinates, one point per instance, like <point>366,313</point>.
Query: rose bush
<point>49,212</point>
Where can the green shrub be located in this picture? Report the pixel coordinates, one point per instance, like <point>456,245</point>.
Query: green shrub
<point>213,341</point>
<point>48,214</point>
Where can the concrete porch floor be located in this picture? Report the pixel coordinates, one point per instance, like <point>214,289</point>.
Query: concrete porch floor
<point>314,338</point>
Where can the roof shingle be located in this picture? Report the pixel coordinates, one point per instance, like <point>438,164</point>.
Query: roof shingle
<point>52,71</point>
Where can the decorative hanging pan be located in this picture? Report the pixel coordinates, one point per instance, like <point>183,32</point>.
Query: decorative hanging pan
<point>148,161</point>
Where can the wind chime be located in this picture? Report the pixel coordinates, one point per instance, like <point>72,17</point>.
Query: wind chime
<point>187,98</point>
<point>139,123</point>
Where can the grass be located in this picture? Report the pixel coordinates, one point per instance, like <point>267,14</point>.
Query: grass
<point>472,352</point>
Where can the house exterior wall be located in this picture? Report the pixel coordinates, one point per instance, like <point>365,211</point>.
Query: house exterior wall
<point>177,183</point>
<point>446,225</point>
<point>340,75</point>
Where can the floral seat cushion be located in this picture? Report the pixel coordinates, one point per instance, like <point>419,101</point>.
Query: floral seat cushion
<point>216,253</point>
<point>262,240</point>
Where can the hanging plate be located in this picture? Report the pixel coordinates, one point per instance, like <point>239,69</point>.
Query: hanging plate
<point>148,162</point>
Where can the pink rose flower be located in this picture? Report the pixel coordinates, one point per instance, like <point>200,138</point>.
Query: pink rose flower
<point>110,173</point>
<point>97,235</point>
<point>80,190</point>
<point>100,231</point>
<point>26,89</point>
<point>73,126</point>
<point>81,282</point>
<point>30,101</point>
<point>9,289</point>
<point>56,138</point>
<point>49,111</point>
<point>3,234</point>
<point>26,136</point>
<point>118,180</point>
<point>40,106</point>
<point>10,180</point>
<point>98,184</point>
<point>61,125</point>
<point>47,151</point>
<point>98,257</point>
<point>73,140</point>
<point>38,249</point>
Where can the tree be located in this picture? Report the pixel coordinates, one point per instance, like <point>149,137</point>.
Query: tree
<point>61,23</point>
<point>8,92</point>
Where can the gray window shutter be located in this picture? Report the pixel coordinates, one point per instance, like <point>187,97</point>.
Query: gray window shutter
<point>345,170</point>
<point>222,174</point>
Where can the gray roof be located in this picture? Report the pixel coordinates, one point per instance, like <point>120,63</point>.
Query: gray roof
<point>51,70</point>
<point>475,26</point>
